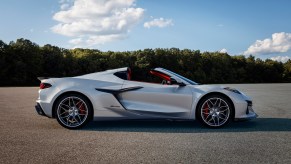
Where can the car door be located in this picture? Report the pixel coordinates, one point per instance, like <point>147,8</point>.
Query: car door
<point>156,100</point>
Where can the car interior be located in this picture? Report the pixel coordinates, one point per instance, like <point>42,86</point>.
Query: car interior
<point>152,76</point>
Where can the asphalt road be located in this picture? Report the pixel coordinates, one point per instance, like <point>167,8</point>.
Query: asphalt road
<point>26,137</point>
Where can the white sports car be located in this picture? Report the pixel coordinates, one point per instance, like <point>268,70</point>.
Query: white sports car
<point>111,94</point>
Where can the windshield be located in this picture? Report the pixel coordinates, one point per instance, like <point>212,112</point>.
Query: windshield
<point>182,77</point>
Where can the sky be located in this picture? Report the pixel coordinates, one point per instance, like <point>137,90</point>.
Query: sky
<point>258,27</point>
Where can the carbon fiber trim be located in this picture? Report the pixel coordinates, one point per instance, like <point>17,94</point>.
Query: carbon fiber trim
<point>116,92</point>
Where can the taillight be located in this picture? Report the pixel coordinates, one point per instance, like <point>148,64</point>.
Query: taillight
<point>44,85</point>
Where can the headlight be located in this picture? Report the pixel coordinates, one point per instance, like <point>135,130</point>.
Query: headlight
<point>232,90</point>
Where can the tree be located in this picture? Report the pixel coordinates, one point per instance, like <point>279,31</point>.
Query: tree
<point>287,71</point>
<point>3,63</point>
<point>22,61</point>
<point>52,61</point>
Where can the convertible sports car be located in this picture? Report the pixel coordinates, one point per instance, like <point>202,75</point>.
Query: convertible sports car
<point>111,94</point>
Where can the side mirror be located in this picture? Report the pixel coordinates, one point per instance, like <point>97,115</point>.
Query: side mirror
<point>177,81</point>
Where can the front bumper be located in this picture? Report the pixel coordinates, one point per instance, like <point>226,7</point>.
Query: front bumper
<point>250,113</point>
<point>39,109</point>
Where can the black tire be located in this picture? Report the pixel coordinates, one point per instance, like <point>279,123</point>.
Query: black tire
<point>73,111</point>
<point>212,114</point>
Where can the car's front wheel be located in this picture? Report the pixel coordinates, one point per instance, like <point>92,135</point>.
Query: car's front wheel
<point>214,111</point>
<point>73,111</point>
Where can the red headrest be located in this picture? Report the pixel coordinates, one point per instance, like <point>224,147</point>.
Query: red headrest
<point>128,73</point>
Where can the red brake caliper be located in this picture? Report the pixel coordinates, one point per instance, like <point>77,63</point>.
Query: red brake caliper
<point>81,107</point>
<point>205,110</point>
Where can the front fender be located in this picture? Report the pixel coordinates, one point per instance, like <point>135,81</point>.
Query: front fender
<point>239,100</point>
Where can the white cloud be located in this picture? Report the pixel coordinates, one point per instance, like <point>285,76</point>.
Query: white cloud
<point>279,43</point>
<point>65,6</point>
<point>93,40</point>
<point>161,22</point>
<point>282,59</point>
<point>223,50</point>
<point>97,21</point>
<point>76,41</point>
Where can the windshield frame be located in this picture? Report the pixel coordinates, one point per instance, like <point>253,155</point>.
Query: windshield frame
<point>180,76</point>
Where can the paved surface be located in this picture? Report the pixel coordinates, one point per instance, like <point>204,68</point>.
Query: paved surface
<point>26,137</point>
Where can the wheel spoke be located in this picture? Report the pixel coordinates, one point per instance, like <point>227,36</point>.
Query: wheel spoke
<point>221,117</point>
<point>209,121</point>
<point>74,103</point>
<point>80,107</point>
<point>76,120</point>
<point>222,107</point>
<point>208,104</point>
<point>63,113</point>
<point>224,110</point>
<point>219,103</point>
<point>207,117</point>
<point>79,102</point>
<point>216,102</point>
<point>65,105</point>
<point>67,116</point>
<point>70,102</point>
<point>68,120</point>
<point>79,118</point>
<point>223,114</point>
<point>64,109</point>
<point>214,120</point>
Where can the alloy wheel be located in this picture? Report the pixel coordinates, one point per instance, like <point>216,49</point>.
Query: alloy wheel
<point>215,112</point>
<point>72,112</point>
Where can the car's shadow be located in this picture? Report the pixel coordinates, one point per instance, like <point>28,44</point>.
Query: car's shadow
<point>259,124</point>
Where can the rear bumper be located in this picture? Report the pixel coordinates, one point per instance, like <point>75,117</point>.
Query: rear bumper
<point>39,110</point>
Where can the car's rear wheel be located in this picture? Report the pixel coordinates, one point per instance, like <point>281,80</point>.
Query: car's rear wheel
<point>73,111</point>
<point>214,111</point>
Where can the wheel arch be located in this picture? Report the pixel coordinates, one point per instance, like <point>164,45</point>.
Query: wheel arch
<point>215,93</point>
<point>71,92</point>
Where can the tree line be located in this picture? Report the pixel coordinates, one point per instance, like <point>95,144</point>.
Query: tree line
<point>22,61</point>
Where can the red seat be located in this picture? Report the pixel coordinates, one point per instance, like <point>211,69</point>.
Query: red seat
<point>128,73</point>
